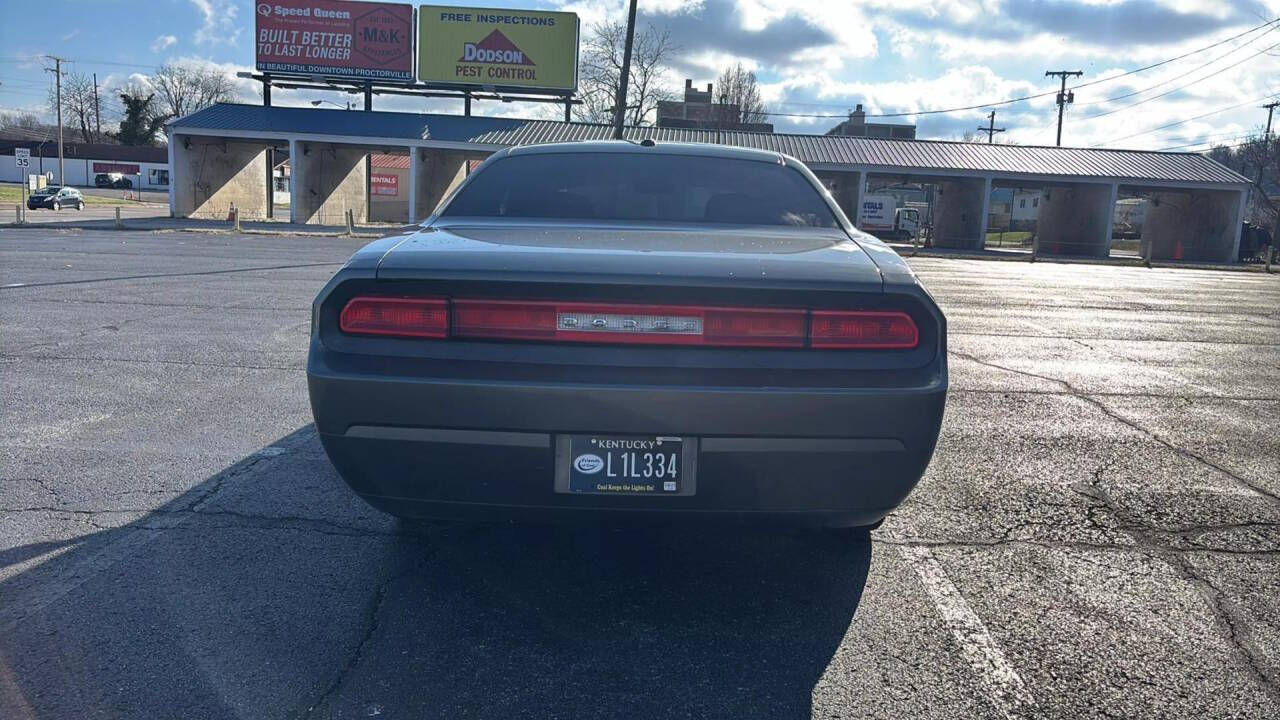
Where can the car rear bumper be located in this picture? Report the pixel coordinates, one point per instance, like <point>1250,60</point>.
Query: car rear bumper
<point>469,449</point>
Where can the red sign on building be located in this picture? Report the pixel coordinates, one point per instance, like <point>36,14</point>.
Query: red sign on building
<point>126,168</point>
<point>334,38</point>
<point>384,184</point>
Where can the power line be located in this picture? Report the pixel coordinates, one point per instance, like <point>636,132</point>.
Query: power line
<point>1182,75</point>
<point>1180,87</point>
<point>1207,139</point>
<point>1037,95</point>
<point>1187,120</point>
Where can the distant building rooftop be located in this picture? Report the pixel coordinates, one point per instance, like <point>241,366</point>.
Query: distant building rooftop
<point>828,152</point>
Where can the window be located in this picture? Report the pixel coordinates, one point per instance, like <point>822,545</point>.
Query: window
<point>1022,203</point>
<point>643,187</point>
<point>1035,202</point>
<point>158,176</point>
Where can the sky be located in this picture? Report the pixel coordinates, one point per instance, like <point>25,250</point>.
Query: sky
<point>815,59</point>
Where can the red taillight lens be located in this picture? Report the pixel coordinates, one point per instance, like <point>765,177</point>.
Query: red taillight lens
<point>407,317</point>
<point>507,319</point>
<point>871,330</point>
<point>749,327</point>
<point>628,324</point>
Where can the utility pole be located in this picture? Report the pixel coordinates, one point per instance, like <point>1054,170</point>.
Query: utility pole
<point>57,73</point>
<point>1266,141</point>
<point>991,128</point>
<point>620,104</point>
<point>97,111</point>
<point>1064,97</point>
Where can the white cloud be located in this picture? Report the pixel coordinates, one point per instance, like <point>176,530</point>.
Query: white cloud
<point>163,42</point>
<point>67,36</point>
<point>218,22</point>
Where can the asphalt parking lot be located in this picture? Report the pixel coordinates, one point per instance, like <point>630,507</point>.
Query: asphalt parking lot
<point>1098,535</point>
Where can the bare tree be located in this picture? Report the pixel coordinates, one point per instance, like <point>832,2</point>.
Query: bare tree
<point>737,86</point>
<point>79,104</point>
<point>184,88</point>
<point>1257,158</point>
<point>601,70</point>
<point>25,126</point>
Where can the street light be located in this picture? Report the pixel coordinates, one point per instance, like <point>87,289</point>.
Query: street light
<point>316,103</point>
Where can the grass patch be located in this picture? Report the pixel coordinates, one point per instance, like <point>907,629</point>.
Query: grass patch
<point>1014,238</point>
<point>11,195</point>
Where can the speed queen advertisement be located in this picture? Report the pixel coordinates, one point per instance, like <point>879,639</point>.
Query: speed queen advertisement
<point>359,40</point>
<point>503,48</point>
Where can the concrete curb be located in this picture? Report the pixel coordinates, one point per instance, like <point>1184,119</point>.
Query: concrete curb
<point>1136,262</point>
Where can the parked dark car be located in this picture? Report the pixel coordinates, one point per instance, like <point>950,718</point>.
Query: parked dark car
<point>112,180</point>
<point>613,328</point>
<point>55,197</point>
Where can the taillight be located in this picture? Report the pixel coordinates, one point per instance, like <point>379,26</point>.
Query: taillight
<point>629,324</point>
<point>624,324</point>
<point>408,317</point>
<point>872,330</point>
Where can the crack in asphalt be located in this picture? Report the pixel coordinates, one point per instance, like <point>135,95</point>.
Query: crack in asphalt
<point>1147,538</point>
<point>162,361</point>
<point>165,275</point>
<point>372,623</point>
<point>1087,397</point>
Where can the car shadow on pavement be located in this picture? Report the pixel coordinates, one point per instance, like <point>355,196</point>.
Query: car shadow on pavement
<point>269,590</point>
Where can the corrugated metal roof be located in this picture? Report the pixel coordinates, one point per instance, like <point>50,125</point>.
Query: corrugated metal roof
<point>857,152</point>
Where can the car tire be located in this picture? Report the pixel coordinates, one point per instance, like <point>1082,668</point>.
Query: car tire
<point>80,205</point>
<point>57,207</point>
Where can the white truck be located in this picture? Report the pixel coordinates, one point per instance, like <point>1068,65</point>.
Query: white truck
<point>881,216</point>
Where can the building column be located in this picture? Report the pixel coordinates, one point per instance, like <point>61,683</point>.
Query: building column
<point>859,190</point>
<point>985,220</point>
<point>1241,214</point>
<point>295,171</point>
<point>417,180</point>
<point>211,175</point>
<point>1110,227</point>
<point>960,213</point>
<point>172,176</point>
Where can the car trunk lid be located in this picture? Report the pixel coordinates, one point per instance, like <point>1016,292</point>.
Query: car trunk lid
<point>720,256</point>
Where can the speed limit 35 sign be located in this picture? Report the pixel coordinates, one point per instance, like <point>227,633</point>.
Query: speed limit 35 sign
<point>22,157</point>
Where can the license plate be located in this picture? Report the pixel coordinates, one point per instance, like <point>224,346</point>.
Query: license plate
<point>625,464</point>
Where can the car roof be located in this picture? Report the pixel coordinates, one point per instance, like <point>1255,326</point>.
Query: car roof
<point>657,148</point>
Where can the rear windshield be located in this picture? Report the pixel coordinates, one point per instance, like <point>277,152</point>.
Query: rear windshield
<point>634,186</point>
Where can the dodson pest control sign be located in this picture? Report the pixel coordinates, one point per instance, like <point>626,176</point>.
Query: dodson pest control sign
<point>500,48</point>
<point>362,40</point>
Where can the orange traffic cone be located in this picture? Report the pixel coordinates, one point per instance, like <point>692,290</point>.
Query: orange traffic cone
<point>1177,250</point>
<point>231,214</point>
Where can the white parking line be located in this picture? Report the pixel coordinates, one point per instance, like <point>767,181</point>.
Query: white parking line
<point>1005,687</point>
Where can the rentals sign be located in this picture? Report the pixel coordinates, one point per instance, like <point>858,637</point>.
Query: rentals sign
<point>505,49</point>
<point>335,38</point>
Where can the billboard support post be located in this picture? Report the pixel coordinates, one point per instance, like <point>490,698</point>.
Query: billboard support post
<point>266,90</point>
<point>466,103</point>
<point>620,107</point>
<point>568,108</point>
<point>368,97</point>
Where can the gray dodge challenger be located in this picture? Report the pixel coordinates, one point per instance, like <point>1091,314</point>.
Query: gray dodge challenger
<point>616,328</point>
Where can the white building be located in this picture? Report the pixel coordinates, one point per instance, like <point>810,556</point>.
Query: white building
<point>146,167</point>
<point>1025,210</point>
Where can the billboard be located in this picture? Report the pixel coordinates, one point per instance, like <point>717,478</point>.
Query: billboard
<point>335,38</point>
<point>522,49</point>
